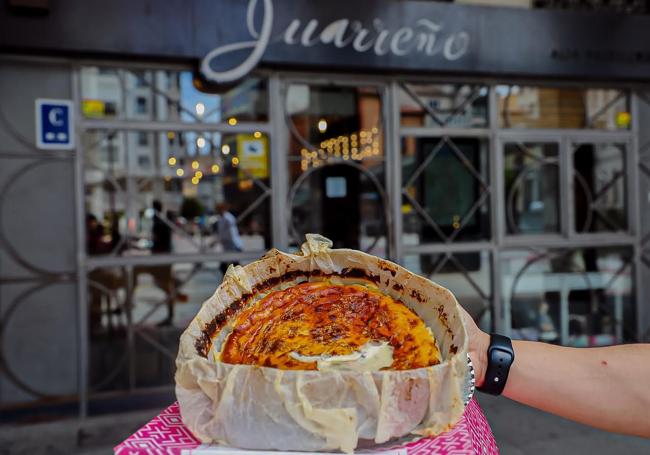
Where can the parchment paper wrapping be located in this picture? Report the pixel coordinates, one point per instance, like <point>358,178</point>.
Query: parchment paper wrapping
<point>265,408</point>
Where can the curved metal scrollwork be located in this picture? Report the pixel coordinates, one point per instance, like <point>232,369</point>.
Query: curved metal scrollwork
<point>481,200</point>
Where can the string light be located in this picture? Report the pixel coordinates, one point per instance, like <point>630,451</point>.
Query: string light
<point>232,121</point>
<point>200,108</point>
<point>235,161</point>
<point>195,164</point>
<point>172,161</point>
<point>322,125</point>
<point>195,180</point>
<point>357,146</point>
<point>215,168</point>
<point>198,174</point>
<point>225,149</point>
<point>180,172</point>
<point>245,185</point>
<point>257,135</point>
<point>170,135</point>
<point>200,142</point>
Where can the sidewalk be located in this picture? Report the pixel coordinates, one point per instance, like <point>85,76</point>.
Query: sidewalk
<point>520,430</point>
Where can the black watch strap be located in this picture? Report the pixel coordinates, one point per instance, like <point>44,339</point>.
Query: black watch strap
<point>500,357</point>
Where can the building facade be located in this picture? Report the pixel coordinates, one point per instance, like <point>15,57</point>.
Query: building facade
<point>502,153</point>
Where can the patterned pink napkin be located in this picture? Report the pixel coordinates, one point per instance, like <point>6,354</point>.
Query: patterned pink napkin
<point>166,434</point>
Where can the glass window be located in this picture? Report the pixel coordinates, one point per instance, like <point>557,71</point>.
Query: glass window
<point>531,175</point>
<point>578,297</point>
<point>467,275</point>
<point>143,139</point>
<point>160,301</point>
<point>443,105</point>
<point>336,166</point>
<point>334,123</point>
<point>446,190</point>
<point>599,187</point>
<point>173,96</point>
<point>550,107</point>
<point>141,105</point>
<point>184,192</point>
<point>192,100</point>
<point>144,162</point>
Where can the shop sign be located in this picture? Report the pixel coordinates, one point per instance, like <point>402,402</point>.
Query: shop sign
<point>252,151</point>
<point>373,36</point>
<point>54,124</point>
<point>229,38</point>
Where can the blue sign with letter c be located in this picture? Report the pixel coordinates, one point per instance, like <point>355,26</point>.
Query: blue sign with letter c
<point>54,124</point>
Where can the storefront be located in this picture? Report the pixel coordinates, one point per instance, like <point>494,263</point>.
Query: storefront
<point>500,152</point>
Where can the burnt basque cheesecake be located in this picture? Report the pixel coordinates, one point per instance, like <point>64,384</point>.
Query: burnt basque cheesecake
<point>331,349</point>
<point>309,323</point>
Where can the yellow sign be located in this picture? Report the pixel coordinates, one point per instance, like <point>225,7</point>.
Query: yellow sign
<point>623,119</point>
<point>253,154</point>
<point>92,108</point>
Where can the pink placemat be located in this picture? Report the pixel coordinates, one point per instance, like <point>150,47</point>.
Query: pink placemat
<point>166,435</point>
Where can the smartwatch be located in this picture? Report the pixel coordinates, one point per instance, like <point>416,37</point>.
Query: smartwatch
<point>500,357</point>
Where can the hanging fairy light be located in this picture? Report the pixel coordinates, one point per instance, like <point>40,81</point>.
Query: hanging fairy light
<point>356,146</point>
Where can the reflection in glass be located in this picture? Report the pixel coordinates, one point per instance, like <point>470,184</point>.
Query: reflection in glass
<point>468,275</point>
<point>599,186</point>
<point>336,165</point>
<point>581,297</point>
<point>172,194</point>
<point>446,190</point>
<point>443,105</point>
<point>160,300</point>
<point>532,188</point>
<point>549,107</point>
<point>333,123</point>
<point>344,203</point>
<point>172,96</point>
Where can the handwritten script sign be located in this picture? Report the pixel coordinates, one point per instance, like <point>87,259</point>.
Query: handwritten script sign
<point>425,36</point>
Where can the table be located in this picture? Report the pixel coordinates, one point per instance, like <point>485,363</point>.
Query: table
<point>166,435</point>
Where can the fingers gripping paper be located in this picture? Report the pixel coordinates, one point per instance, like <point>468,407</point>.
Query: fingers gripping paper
<point>254,407</point>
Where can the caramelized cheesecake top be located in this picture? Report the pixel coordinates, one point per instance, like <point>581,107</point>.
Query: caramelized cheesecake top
<point>326,319</point>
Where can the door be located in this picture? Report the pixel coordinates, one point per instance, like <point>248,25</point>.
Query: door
<point>336,164</point>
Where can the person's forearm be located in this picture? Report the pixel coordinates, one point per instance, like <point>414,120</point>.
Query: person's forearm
<point>604,387</point>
